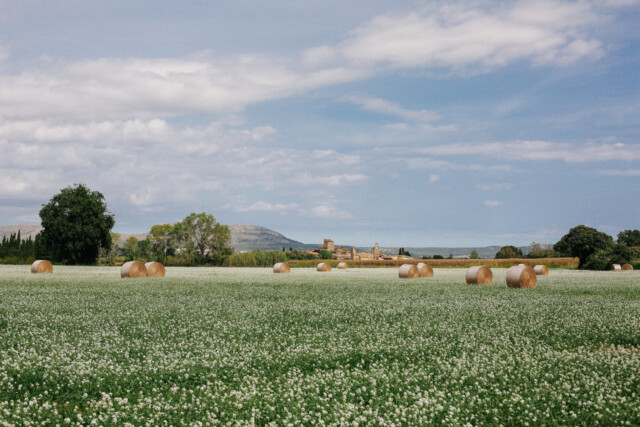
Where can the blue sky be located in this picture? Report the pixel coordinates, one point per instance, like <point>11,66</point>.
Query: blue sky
<point>406,123</point>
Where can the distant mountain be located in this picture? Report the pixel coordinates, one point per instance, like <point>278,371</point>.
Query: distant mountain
<point>26,231</point>
<point>252,238</point>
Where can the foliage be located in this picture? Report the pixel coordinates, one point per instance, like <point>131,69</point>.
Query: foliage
<point>402,251</point>
<point>474,254</point>
<point>296,254</point>
<point>248,347</point>
<point>131,250</point>
<point>255,259</point>
<point>16,250</point>
<point>201,234</point>
<point>325,254</point>
<point>438,256</point>
<point>604,259</point>
<point>163,238</point>
<point>629,237</point>
<point>76,224</point>
<point>582,242</point>
<point>507,252</point>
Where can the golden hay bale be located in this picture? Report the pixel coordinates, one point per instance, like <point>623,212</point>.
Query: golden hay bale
<point>281,267</point>
<point>133,269</point>
<point>479,275</point>
<point>41,266</point>
<point>154,269</point>
<point>343,265</point>
<point>408,271</point>
<point>521,276</point>
<point>627,267</point>
<point>424,270</point>
<point>616,267</point>
<point>541,270</point>
<point>323,266</point>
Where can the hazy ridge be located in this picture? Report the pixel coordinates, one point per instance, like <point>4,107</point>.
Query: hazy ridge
<point>252,237</point>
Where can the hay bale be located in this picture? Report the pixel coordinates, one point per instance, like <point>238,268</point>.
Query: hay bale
<point>154,269</point>
<point>323,266</point>
<point>541,270</point>
<point>479,275</point>
<point>133,269</point>
<point>424,270</point>
<point>521,277</point>
<point>408,271</point>
<point>616,267</point>
<point>281,267</point>
<point>41,266</point>
<point>627,267</point>
<point>343,265</point>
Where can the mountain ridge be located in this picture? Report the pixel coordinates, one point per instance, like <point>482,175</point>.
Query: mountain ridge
<point>252,237</point>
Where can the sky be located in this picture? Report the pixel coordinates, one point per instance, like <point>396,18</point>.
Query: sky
<point>408,123</point>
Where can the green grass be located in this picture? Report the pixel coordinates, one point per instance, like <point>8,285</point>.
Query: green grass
<point>243,346</point>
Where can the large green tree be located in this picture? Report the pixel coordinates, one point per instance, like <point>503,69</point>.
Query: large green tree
<point>163,239</point>
<point>507,252</point>
<point>629,238</point>
<point>76,224</point>
<point>582,242</point>
<point>202,234</point>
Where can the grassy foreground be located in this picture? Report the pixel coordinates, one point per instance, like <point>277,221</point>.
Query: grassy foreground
<point>244,346</point>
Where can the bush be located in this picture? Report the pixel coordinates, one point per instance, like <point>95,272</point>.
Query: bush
<point>603,260</point>
<point>325,254</point>
<point>255,259</point>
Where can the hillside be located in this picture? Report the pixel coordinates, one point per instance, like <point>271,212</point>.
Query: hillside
<point>252,237</point>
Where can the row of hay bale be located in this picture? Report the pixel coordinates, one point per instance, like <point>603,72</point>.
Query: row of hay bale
<point>283,267</point>
<point>518,276</point>
<point>136,269</point>
<point>618,267</point>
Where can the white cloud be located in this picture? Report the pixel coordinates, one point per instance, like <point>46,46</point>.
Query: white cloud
<point>268,207</point>
<point>518,151</point>
<point>329,211</point>
<point>499,186</point>
<point>492,203</point>
<point>479,35</point>
<point>331,180</point>
<point>620,172</point>
<point>433,178</point>
<point>382,106</point>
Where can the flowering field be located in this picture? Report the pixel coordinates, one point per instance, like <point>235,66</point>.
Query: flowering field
<point>358,346</point>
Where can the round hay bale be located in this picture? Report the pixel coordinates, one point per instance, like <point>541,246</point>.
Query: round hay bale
<point>41,266</point>
<point>281,267</point>
<point>408,271</point>
<point>541,270</point>
<point>479,275</point>
<point>424,270</point>
<point>133,269</point>
<point>323,266</point>
<point>616,267</point>
<point>627,267</point>
<point>343,265</point>
<point>521,277</point>
<point>154,269</point>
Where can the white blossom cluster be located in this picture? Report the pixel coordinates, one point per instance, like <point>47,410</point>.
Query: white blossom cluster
<point>233,346</point>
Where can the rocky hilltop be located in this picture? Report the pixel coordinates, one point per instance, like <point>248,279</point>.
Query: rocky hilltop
<point>252,237</point>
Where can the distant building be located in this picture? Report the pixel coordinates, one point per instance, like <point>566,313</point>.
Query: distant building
<point>328,245</point>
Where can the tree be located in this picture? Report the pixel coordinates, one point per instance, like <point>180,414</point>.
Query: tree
<point>506,252</point>
<point>325,254</point>
<point>629,238</point>
<point>201,233</point>
<point>76,224</point>
<point>582,242</point>
<point>163,238</point>
<point>474,254</point>
<point>131,250</point>
<point>604,259</point>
